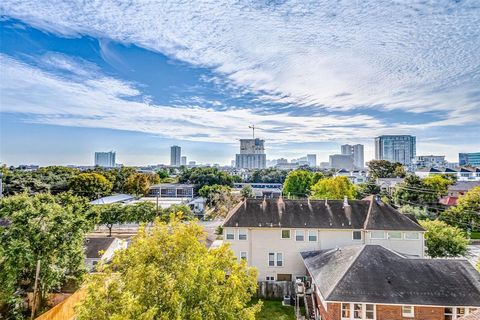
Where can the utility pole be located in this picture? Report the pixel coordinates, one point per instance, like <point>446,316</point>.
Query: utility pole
<point>34,304</point>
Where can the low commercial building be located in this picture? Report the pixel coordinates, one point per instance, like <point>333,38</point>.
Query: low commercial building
<point>262,190</point>
<point>172,190</point>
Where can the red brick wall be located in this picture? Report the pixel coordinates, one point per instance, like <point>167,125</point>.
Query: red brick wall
<point>389,312</point>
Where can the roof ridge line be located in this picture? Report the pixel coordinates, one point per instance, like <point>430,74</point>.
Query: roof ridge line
<point>346,270</point>
<point>365,223</point>
<point>232,212</point>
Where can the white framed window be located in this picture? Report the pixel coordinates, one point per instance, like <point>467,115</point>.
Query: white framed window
<point>394,235</point>
<point>285,234</point>
<point>345,310</point>
<point>369,311</point>
<point>312,235</point>
<point>459,312</point>
<point>242,234</point>
<point>299,235</point>
<point>357,235</point>
<point>357,311</point>
<point>230,234</point>
<point>408,311</point>
<point>377,235</point>
<point>412,235</point>
<point>243,255</point>
<point>270,278</point>
<point>279,259</point>
<point>448,314</point>
<point>275,259</point>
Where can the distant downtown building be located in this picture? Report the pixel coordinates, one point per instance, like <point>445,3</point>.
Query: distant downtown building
<point>105,159</point>
<point>401,148</point>
<point>252,154</point>
<point>429,161</point>
<point>183,160</point>
<point>357,152</point>
<point>312,160</point>
<point>175,155</point>
<point>469,159</point>
<point>341,161</point>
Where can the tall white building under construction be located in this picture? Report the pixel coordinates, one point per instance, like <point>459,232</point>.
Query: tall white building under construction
<point>252,154</point>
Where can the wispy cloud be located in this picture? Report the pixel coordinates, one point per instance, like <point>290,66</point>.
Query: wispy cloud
<point>411,55</point>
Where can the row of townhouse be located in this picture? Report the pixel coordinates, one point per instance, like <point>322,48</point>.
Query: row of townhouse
<point>366,241</point>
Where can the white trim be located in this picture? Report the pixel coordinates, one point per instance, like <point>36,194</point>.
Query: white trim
<point>275,259</point>
<point>246,234</point>
<point>408,314</point>
<point>316,235</point>
<point>361,235</point>
<point>302,230</point>
<point>388,235</point>
<point>227,233</point>
<point>411,232</point>
<point>246,255</point>
<point>376,238</point>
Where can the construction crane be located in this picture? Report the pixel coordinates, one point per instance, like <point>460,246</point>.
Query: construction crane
<point>253,130</point>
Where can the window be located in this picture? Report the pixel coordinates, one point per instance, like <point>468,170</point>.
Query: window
<point>412,235</point>
<point>357,311</point>
<point>242,234</point>
<point>369,311</point>
<point>357,235</point>
<point>271,259</point>
<point>299,235</point>
<point>230,235</point>
<point>275,259</point>
<point>243,255</point>
<point>407,311</point>
<point>345,310</point>
<point>378,235</point>
<point>312,235</point>
<point>394,235</point>
<point>270,278</point>
<point>285,234</point>
<point>460,312</point>
<point>279,259</point>
<point>448,313</point>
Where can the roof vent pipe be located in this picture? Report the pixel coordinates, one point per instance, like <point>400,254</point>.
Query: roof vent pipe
<point>345,202</point>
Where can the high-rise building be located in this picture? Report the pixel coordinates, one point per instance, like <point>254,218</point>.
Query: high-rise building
<point>401,148</point>
<point>469,159</point>
<point>341,161</point>
<point>252,154</point>
<point>175,155</point>
<point>183,160</point>
<point>312,160</point>
<point>356,151</point>
<point>105,159</point>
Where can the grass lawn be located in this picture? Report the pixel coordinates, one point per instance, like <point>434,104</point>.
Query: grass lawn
<point>273,309</point>
<point>475,235</point>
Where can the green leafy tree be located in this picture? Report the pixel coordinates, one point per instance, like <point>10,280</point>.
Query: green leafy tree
<point>385,169</point>
<point>298,184</point>
<point>43,228</point>
<point>334,188</point>
<point>182,211</point>
<point>466,214</point>
<point>269,175</point>
<point>163,173</point>
<point>144,211</point>
<point>219,198</point>
<point>443,240</point>
<point>247,192</point>
<point>110,214</point>
<point>206,177</point>
<point>139,183</point>
<point>367,188</point>
<point>422,192</point>
<point>90,185</point>
<point>168,273</point>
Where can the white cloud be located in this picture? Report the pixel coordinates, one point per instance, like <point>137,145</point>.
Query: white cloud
<point>410,55</point>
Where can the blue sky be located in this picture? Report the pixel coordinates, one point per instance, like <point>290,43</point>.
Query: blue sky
<point>137,77</point>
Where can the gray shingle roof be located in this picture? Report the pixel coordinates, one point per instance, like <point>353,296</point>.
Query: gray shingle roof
<point>94,245</point>
<point>463,185</point>
<point>374,274</point>
<point>281,213</point>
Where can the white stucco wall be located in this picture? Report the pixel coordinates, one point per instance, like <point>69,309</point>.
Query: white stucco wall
<point>261,241</point>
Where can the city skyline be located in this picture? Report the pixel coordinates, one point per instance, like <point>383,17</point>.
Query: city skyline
<point>75,80</point>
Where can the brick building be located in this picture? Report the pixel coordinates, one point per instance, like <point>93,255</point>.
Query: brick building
<point>371,282</point>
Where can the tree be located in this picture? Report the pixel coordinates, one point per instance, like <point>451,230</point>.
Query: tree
<point>168,273</point>
<point>421,192</point>
<point>367,188</point>
<point>269,175</point>
<point>90,185</point>
<point>385,169</point>
<point>144,211</point>
<point>43,228</point>
<point>110,214</point>
<point>139,183</point>
<point>443,240</point>
<point>466,214</point>
<point>334,188</point>
<point>182,211</point>
<point>219,198</point>
<point>418,213</point>
<point>206,177</point>
<point>297,184</point>
<point>247,192</point>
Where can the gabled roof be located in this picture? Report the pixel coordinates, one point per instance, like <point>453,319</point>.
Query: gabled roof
<point>374,274</point>
<point>331,214</point>
<point>94,245</point>
<point>463,185</point>
<point>450,170</point>
<point>465,170</point>
<point>113,199</point>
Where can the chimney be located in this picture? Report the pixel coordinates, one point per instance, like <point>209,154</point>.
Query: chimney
<point>345,202</point>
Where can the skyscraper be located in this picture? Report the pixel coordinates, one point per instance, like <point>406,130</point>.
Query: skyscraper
<point>401,148</point>
<point>357,152</point>
<point>341,161</point>
<point>183,160</point>
<point>469,159</point>
<point>312,160</point>
<point>252,154</point>
<point>105,159</point>
<point>175,155</point>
